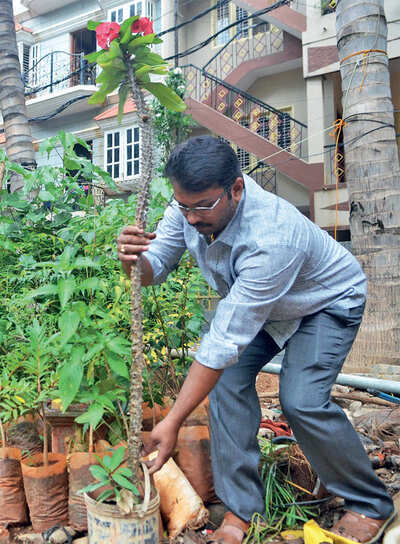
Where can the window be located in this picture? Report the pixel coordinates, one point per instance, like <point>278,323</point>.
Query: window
<point>144,8</point>
<point>228,13</point>
<point>34,67</point>
<point>242,28</point>
<point>222,22</point>
<point>122,152</point>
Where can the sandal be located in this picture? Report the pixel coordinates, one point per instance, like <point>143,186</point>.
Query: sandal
<point>231,531</point>
<point>360,528</point>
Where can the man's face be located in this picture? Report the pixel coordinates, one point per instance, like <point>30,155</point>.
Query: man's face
<point>213,221</point>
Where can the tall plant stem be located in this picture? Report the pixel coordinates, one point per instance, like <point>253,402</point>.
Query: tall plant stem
<point>137,364</point>
<point>45,439</point>
<point>3,435</point>
<point>90,448</point>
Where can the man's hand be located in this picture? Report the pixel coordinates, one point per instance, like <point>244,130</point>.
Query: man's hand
<point>198,383</point>
<point>132,242</point>
<point>163,438</point>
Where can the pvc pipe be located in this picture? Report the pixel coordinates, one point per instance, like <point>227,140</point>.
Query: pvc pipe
<point>360,382</point>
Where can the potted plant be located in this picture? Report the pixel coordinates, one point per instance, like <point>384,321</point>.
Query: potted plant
<point>13,402</point>
<point>45,474</point>
<point>127,63</point>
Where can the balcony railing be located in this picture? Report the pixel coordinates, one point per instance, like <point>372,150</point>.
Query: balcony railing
<point>58,70</point>
<point>276,126</point>
<point>253,41</point>
<point>263,173</point>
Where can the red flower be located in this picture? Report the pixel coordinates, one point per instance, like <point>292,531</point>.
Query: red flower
<point>147,26</point>
<point>106,33</point>
<point>143,24</point>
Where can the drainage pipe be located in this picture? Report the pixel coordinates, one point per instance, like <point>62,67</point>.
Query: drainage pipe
<point>360,382</point>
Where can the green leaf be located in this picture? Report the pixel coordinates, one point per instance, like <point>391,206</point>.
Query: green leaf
<point>124,483</point>
<point>92,57</point>
<point>127,24</point>
<point>91,487</point>
<point>93,416</point>
<point>117,458</point>
<point>123,95</point>
<point>125,35</point>
<point>118,345</point>
<point>117,364</point>
<point>66,289</point>
<point>143,70</point>
<point>166,96</point>
<point>125,472</point>
<point>71,375</point>
<point>107,462</point>
<point>114,50</point>
<point>44,290</point>
<point>90,283</point>
<point>68,324</point>
<point>85,262</point>
<point>45,196</point>
<point>92,25</point>
<point>105,495</point>
<point>94,350</point>
<point>142,40</point>
<point>98,472</point>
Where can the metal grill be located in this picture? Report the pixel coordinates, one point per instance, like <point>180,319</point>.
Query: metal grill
<point>274,125</point>
<point>58,70</point>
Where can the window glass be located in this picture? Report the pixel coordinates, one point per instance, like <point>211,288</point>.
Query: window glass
<point>112,154</point>
<point>222,22</point>
<point>242,29</point>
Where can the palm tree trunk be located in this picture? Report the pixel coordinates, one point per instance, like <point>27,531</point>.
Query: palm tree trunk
<point>19,144</point>
<point>373,178</point>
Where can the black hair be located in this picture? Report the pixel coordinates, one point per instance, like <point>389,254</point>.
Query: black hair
<point>201,163</point>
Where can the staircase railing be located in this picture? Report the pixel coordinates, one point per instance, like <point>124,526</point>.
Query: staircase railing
<point>263,173</point>
<point>58,70</point>
<point>255,40</point>
<point>276,126</point>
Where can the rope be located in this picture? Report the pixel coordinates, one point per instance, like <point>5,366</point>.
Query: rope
<point>336,132</point>
<point>365,53</point>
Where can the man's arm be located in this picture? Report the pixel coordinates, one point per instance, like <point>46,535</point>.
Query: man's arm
<point>198,384</point>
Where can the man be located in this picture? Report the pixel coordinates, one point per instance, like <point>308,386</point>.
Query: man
<point>284,283</point>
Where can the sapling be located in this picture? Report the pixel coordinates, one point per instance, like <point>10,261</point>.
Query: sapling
<point>127,62</point>
<point>14,400</point>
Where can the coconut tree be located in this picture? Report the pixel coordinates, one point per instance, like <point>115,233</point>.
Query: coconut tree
<point>372,175</point>
<point>19,145</point>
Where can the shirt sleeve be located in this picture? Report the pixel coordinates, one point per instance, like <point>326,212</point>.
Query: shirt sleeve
<point>168,247</point>
<point>264,276</point>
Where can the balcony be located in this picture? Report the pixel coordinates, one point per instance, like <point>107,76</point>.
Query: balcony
<point>39,7</point>
<point>59,81</point>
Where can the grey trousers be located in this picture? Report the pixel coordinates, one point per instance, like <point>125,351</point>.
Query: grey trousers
<point>314,356</point>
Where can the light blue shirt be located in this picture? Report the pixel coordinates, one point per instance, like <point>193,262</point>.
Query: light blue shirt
<point>271,266</point>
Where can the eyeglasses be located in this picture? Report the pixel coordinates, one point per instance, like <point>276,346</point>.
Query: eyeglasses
<point>196,209</point>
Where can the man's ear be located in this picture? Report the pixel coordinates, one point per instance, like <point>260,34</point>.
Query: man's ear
<point>237,190</point>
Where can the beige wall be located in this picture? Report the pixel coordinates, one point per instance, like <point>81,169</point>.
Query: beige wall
<point>283,90</point>
<point>196,32</point>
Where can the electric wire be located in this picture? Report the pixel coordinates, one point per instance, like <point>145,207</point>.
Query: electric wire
<point>204,43</point>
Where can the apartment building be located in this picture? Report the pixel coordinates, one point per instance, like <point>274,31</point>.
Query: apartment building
<point>270,85</point>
